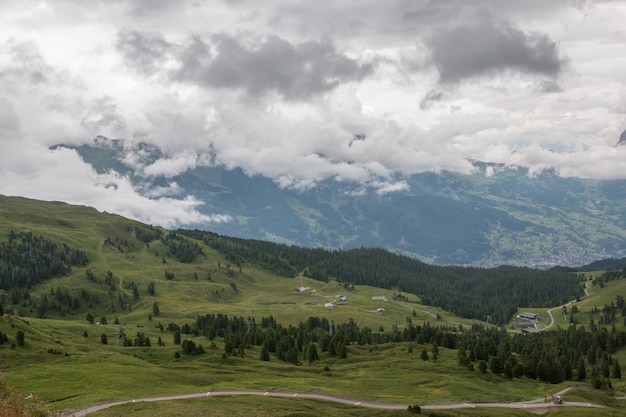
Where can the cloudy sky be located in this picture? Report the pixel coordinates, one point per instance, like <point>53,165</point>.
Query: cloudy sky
<point>301,91</point>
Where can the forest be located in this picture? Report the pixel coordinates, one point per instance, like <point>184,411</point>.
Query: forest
<point>491,295</point>
<point>485,294</point>
<point>27,259</point>
<point>572,354</point>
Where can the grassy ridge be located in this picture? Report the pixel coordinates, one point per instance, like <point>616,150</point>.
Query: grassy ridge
<point>64,362</point>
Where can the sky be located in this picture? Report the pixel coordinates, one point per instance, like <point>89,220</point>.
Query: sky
<point>359,91</point>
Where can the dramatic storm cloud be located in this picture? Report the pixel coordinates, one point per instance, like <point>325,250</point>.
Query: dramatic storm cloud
<point>295,71</point>
<point>301,92</point>
<point>486,46</point>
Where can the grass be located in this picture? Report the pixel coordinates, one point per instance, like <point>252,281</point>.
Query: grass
<point>65,368</point>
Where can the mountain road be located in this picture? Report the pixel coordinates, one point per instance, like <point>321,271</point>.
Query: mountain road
<point>536,404</point>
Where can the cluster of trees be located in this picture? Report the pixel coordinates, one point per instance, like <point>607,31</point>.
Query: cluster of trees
<point>27,259</point>
<point>611,264</point>
<point>552,356</point>
<point>108,279</point>
<point>189,347</point>
<point>63,301</point>
<point>121,244</point>
<point>140,340</point>
<point>181,249</point>
<point>146,234</point>
<point>608,276</point>
<point>478,293</point>
<point>20,339</point>
<point>304,342</point>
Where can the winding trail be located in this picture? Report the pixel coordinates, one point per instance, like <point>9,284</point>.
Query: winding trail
<point>587,299</point>
<point>535,404</point>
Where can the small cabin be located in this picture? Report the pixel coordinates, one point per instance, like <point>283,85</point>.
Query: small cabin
<point>378,298</point>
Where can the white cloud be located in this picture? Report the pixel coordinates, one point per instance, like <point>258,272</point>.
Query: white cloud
<point>170,167</point>
<point>32,170</point>
<point>281,90</point>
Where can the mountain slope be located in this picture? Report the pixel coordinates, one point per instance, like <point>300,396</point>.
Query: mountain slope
<point>140,291</point>
<point>497,215</point>
<point>105,257</point>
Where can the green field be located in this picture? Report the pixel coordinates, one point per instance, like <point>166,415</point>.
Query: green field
<point>64,363</point>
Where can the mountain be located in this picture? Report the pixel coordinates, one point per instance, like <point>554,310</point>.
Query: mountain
<point>115,310</point>
<point>497,215</point>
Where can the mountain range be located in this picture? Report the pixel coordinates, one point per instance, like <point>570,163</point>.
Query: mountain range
<point>496,215</point>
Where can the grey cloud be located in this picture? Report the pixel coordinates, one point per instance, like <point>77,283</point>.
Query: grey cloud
<point>103,118</point>
<point>194,59</point>
<point>140,9</point>
<point>549,86</point>
<point>9,121</point>
<point>143,51</point>
<point>430,97</point>
<point>487,45</point>
<point>295,71</point>
<point>27,65</point>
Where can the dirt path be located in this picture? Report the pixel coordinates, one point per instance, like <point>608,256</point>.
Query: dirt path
<point>533,404</point>
<point>568,304</point>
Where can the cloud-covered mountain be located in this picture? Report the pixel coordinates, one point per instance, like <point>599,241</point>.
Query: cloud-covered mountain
<point>348,116</point>
<point>496,214</point>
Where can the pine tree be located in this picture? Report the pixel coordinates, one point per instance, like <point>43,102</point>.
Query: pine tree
<point>581,371</point>
<point>265,355</point>
<point>616,372</point>
<point>19,338</point>
<point>311,353</point>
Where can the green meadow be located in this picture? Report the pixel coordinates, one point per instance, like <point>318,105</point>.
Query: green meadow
<point>64,363</point>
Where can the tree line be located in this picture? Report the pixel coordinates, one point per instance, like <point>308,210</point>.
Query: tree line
<point>27,259</point>
<point>572,354</point>
<point>486,294</point>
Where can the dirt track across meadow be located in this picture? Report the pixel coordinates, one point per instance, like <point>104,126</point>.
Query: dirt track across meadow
<point>529,405</point>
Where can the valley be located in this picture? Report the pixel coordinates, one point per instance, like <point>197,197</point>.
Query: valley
<point>498,214</point>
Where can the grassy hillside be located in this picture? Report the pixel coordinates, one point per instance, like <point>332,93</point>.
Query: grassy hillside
<point>64,362</point>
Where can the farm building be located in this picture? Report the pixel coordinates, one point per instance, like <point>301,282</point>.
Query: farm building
<point>380,310</point>
<point>525,324</point>
<point>529,316</point>
<point>378,298</point>
<point>329,305</point>
<point>530,330</point>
